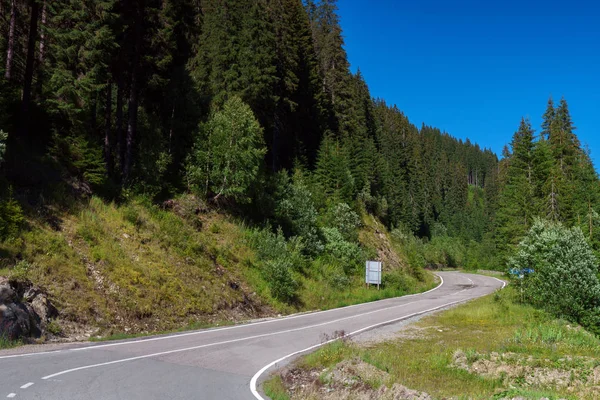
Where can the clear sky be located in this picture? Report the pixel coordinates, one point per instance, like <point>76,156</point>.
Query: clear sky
<point>474,68</point>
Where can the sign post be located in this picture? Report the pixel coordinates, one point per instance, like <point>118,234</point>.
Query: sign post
<point>373,273</point>
<point>521,274</point>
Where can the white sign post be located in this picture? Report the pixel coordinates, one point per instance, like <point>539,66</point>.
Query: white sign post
<point>373,273</point>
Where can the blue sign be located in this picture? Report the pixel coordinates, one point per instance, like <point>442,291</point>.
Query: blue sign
<point>521,272</point>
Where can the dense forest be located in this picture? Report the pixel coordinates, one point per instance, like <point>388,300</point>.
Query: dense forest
<point>126,96</point>
<point>252,107</point>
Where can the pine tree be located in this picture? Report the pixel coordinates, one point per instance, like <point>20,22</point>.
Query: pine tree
<point>516,209</point>
<point>333,61</point>
<point>333,171</point>
<point>548,119</point>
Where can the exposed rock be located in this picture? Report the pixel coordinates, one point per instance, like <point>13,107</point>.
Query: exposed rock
<point>349,380</point>
<point>7,293</point>
<point>24,310</point>
<point>18,320</point>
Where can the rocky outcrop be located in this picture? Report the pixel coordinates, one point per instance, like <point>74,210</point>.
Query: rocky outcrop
<point>25,310</point>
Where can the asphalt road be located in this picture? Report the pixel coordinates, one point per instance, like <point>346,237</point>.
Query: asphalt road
<point>221,363</point>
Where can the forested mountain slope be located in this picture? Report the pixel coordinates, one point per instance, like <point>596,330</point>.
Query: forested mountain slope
<point>290,173</point>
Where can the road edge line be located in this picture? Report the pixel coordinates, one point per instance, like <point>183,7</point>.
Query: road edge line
<point>210,330</point>
<point>254,380</point>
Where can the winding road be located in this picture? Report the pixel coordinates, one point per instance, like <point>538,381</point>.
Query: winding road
<point>221,363</point>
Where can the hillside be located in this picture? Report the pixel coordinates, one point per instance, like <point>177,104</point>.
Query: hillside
<point>166,163</point>
<point>140,268</point>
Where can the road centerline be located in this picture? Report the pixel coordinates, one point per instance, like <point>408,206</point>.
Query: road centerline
<point>220,343</point>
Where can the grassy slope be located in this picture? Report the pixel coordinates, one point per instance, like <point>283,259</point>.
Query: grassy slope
<point>137,268</point>
<point>532,354</point>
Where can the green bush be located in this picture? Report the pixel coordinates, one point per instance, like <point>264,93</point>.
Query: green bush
<point>11,217</point>
<point>3,138</point>
<point>278,274</point>
<point>348,254</point>
<point>81,156</point>
<point>565,281</point>
<point>280,259</point>
<point>346,221</point>
<point>445,250</point>
<point>297,214</point>
<point>396,280</point>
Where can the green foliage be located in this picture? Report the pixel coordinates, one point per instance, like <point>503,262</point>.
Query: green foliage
<point>445,250</point>
<point>552,177</point>
<point>11,217</point>
<point>278,273</point>
<point>333,170</point>
<point>345,220</point>
<point>279,260</point>
<point>81,157</point>
<point>297,214</point>
<point>3,138</point>
<point>565,281</point>
<point>346,253</point>
<point>226,158</point>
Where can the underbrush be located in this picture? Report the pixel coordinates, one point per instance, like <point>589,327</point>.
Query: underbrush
<point>488,348</point>
<point>7,343</point>
<point>137,268</point>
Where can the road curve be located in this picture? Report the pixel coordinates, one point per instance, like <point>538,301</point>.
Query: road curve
<point>220,363</point>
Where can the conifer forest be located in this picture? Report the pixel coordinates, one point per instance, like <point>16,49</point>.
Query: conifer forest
<point>251,109</point>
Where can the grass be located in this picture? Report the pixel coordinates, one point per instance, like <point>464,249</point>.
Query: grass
<point>7,343</point>
<point>135,269</point>
<point>275,389</point>
<point>494,327</point>
<point>135,266</point>
<point>191,327</point>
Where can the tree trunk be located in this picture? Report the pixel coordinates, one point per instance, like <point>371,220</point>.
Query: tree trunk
<point>131,128</point>
<point>33,32</point>
<point>41,51</point>
<point>93,112</point>
<point>171,129</point>
<point>108,159</point>
<point>133,94</point>
<point>119,122</point>
<point>10,52</point>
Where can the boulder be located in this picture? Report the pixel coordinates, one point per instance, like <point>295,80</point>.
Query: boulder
<point>24,310</point>
<point>18,320</point>
<point>7,294</point>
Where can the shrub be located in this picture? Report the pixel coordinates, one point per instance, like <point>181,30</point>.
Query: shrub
<point>3,138</point>
<point>396,280</point>
<point>565,281</point>
<point>279,260</point>
<point>11,217</point>
<point>445,250</point>
<point>346,221</point>
<point>278,274</point>
<point>349,254</point>
<point>296,212</point>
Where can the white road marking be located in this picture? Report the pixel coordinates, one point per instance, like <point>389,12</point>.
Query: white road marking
<point>10,396</point>
<point>138,341</point>
<point>500,280</point>
<point>30,354</point>
<point>266,367</point>
<point>220,343</point>
<point>25,386</point>
<point>254,379</point>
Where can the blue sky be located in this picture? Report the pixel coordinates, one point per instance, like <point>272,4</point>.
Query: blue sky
<point>474,68</point>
